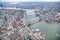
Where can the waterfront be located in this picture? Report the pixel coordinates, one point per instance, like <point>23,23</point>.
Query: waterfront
<point>49,29</point>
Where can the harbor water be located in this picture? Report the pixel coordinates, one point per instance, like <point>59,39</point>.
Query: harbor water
<point>49,29</point>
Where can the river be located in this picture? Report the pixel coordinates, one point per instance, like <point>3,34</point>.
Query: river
<point>49,29</point>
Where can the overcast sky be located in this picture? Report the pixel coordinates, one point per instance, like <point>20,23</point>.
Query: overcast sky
<point>29,0</point>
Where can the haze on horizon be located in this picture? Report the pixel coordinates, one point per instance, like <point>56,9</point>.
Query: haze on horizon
<point>29,0</point>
